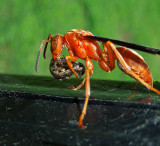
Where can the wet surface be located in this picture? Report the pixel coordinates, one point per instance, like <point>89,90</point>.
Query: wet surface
<point>30,118</point>
<point>26,121</point>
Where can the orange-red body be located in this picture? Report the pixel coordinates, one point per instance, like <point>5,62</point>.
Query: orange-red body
<point>79,46</point>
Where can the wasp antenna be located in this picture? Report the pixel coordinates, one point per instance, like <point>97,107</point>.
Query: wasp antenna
<point>39,52</point>
<point>44,53</point>
<point>37,61</point>
<point>45,48</point>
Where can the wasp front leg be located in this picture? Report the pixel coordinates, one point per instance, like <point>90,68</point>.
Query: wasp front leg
<point>74,59</point>
<point>89,72</point>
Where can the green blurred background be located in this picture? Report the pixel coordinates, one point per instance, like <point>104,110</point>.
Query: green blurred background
<point>24,24</point>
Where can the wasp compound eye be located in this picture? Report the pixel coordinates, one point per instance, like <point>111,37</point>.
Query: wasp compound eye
<point>54,42</point>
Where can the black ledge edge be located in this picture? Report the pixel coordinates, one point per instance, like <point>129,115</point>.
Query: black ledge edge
<point>129,104</point>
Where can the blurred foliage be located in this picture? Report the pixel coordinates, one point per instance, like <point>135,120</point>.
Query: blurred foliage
<point>24,24</point>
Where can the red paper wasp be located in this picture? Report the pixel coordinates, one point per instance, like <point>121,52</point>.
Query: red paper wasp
<point>84,45</point>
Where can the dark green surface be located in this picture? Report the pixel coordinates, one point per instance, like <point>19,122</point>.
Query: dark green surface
<point>100,89</point>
